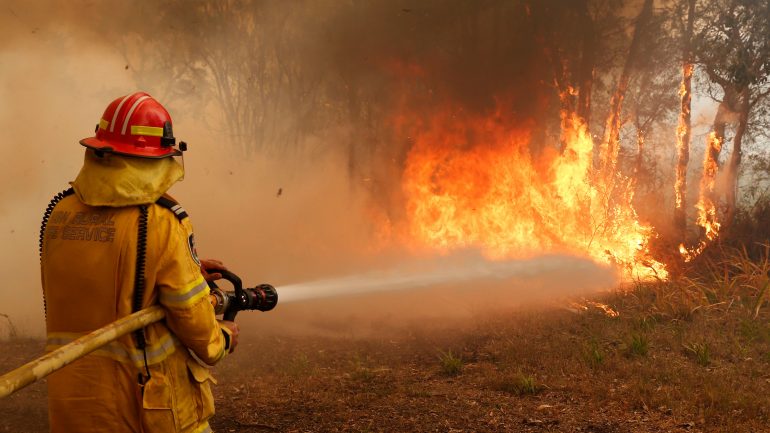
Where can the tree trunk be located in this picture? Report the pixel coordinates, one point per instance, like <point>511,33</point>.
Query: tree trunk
<point>707,211</point>
<point>683,130</point>
<point>735,158</point>
<point>586,68</point>
<point>640,136</point>
<point>611,143</point>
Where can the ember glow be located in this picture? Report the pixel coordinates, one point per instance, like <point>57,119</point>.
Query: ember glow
<point>586,305</point>
<point>473,181</point>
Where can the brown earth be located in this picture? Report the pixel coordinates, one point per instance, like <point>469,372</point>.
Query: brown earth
<point>550,370</point>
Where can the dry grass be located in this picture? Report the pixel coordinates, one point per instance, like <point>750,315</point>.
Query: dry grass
<point>11,332</point>
<point>689,355</point>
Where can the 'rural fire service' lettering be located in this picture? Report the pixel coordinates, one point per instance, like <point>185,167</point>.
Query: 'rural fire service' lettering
<point>82,226</point>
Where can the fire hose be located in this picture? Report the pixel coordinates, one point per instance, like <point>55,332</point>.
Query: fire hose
<point>227,303</point>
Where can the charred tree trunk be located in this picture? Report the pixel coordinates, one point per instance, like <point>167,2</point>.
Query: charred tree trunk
<point>611,142</point>
<point>683,131</point>
<point>726,112</point>
<point>639,165</point>
<point>707,201</point>
<point>586,68</point>
<point>572,64</point>
<point>733,166</point>
<point>561,80</point>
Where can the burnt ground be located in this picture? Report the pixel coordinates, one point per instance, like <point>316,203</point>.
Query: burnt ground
<point>550,370</point>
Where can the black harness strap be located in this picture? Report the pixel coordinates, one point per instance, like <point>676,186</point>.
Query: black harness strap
<point>141,256</point>
<point>139,278</point>
<point>46,215</point>
<point>173,206</point>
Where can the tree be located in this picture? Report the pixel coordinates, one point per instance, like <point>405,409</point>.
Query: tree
<point>733,49</point>
<point>611,142</point>
<point>250,63</point>
<point>683,130</point>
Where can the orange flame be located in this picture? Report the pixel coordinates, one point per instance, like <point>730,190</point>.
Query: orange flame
<point>473,181</point>
<point>586,305</point>
<point>681,132</point>
<point>707,211</point>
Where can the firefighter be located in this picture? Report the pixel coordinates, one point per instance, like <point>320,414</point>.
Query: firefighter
<point>111,245</point>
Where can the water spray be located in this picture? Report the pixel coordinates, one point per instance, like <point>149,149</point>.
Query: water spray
<point>447,271</point>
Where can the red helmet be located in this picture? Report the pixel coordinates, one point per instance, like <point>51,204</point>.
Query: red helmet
<point>135,125</point>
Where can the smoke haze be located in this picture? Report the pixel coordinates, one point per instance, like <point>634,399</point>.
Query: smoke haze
<point>303,201</point>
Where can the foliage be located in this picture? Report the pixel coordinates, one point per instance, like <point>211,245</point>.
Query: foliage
<point>724,278</point>
<point>298,366</point>
<point>593,354</point>
<point>732,42</point>
<point>733,275</point>
<point>451,364</point>
<point>700,352</point>
<point>518,384</point>
<point>637,345</point>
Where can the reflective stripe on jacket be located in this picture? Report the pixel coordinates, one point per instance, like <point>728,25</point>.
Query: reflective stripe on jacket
<point>88,267</point>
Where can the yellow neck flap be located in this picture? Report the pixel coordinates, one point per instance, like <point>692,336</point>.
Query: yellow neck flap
<point>115,180</point>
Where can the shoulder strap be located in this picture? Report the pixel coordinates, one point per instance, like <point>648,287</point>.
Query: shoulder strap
<point>173,207</point>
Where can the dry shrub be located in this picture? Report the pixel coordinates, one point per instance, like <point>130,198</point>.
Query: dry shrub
<point>517,384</point>
<point>723,278</point>
<point>451,364</point>
<point>738,276</point>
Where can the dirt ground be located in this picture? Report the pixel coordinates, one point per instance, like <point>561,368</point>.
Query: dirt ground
<point>549,370</point>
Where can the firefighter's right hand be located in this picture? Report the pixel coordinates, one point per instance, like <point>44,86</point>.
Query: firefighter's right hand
<point>234,331</point>
<point>212,264</point>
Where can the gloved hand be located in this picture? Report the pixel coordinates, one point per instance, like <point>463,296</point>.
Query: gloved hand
<point>207,264</point>
<point>234,331</point>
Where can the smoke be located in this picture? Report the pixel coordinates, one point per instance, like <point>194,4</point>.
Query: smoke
<point>52,84</point>
<point>285,193</point>
<point>433,49</point>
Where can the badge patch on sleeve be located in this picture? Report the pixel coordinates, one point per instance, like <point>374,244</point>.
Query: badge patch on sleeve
<point>193,250</point>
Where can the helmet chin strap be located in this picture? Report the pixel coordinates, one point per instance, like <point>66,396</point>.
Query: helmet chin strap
<point>180,158</point>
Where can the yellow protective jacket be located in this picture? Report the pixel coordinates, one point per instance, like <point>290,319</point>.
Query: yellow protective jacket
<point>88,263</point>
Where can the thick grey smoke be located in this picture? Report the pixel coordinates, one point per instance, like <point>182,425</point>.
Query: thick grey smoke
<point>282,188</point>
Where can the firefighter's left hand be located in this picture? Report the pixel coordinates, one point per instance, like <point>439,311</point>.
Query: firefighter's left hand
<point>207,264</point>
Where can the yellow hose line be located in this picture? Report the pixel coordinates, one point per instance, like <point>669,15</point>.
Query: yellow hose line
<point>52,361</point>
